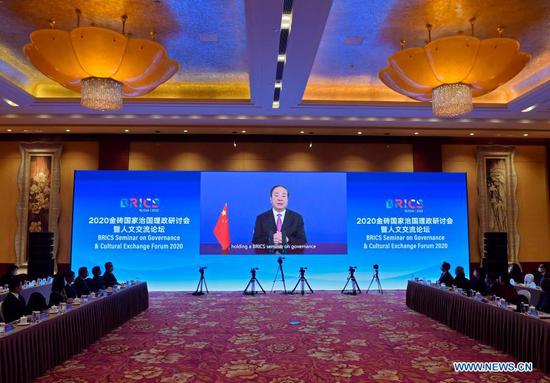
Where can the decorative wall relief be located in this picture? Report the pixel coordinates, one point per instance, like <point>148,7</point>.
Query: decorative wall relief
<point>39,182</point>
<point>498,206</point>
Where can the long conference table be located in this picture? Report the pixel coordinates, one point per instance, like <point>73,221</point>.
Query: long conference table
<point>520,335</point>
<point>27,352</point>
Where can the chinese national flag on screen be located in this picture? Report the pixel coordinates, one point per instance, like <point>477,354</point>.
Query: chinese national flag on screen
<point>221,231</point>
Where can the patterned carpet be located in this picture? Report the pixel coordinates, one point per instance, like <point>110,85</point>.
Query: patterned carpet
<point>227,337</point>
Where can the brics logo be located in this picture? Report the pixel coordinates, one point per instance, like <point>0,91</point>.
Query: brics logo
<point>140,203</point>
<point>403,203</point>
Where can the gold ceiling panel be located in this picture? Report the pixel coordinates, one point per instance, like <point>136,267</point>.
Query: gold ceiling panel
<point>205,38</point>
<point>360,36</point>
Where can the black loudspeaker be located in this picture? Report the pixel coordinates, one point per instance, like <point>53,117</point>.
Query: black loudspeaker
<point>40,251</point>
<point>495,253</point>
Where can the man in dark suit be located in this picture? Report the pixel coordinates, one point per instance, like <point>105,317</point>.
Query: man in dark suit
<point>542,273</point>
<point>109,278</point>
<point>279,228</point>
<point>96,283</point>
<point>446,276</point>
<point>80,284</point>
<point>70,291</point>
<point>14,306</point>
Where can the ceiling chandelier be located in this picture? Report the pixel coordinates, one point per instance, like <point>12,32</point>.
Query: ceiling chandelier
<point>451,70</point>
<point>102,65</point>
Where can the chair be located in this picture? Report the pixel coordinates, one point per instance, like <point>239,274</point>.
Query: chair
<point>1,312</point>
<point>37,302</point>
<point>526,294</point>
<point>512,282</point>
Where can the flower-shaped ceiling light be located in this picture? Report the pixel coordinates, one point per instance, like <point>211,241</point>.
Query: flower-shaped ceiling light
<point>101,64</point>
<point>451,70</point>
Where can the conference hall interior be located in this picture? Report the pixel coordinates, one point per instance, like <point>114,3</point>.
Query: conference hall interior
<point>275,191</point>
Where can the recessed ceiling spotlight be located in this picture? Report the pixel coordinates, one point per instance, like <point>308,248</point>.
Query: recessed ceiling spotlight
<point>10,102</point>
<point>525,134</point>
<point>472,134</point>
<point>302,132</point>
<point>126,130</point>
<point>310,144</point>
<point>286,20</point>
<point>185,130</point>
<point>25,130</point>
<point>243,131</point>
<point>416,133</point>
<point>9,130</point>
<point>234,144</point>
<point>359,133</point>
<point>43,116</point>
<point>67,130</point>
<point>281,58</point>
<point>528,109</point>
<point>525,121</point>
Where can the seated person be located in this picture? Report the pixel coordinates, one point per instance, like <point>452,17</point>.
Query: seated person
<point>529,281</point>
<point>544,301</point>
<point>478,282</point>
<point>70,291</point>
<point>515,273</point>
<point>109,278</point>
<point>58,294</point>
<point>446,277</point>
<point>14,306</point>
<point>96,283</point>
<point>505,290</point>
<point>491,283</point>
<point>5,280</point>
<point>542,273</point>
<point>80,285</point>
<point>279,228</point>
<point>460,280</point>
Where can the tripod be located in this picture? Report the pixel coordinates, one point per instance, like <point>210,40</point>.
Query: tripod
<point>280,270</point>
<point>202,281</point>
<point>252,284</point>
<point>302,281</point>
<point>375,278</point>
<point>354,285</point>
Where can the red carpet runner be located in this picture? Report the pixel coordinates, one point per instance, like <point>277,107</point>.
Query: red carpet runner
<point>226,337</point>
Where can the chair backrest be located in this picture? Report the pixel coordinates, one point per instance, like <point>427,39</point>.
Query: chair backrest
<point>1,312</point>
<point>37,302</point>
<point>526,294</point>
<point>528,279</point>
<point>512,282</point>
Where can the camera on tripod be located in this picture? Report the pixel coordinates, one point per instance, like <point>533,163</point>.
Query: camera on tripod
<point>352,269</point>
<point>202,268</point>
<point>280,260</point>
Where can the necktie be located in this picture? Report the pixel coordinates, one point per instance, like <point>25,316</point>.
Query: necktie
<point>279,222</point>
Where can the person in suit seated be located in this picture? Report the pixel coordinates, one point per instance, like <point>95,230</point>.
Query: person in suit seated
<point>80,285</point>
<point>478,282</point>
<point>460,280</point>
<point>5,280</point>
<point>505,290</point>
<point>109,278</point>
<point>515,273</point>
<point>544,300</point>
<point>542,273</point>
<point>14,306</point>
<point>96,283</point>
<point>58,293</point>
<point>446,277</point>
<point>70,291</point>
<point>279,228</point>
<point>491,283</point>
